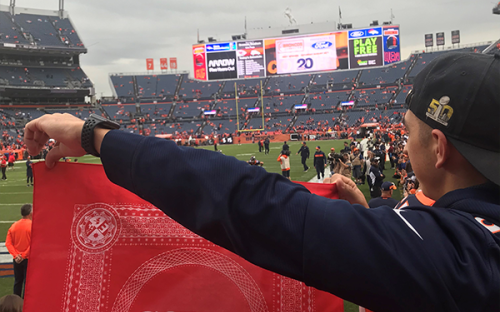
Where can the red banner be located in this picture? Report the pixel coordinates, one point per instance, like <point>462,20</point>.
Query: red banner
<point>150,65</point>
<point>163,64</point>
<point>97,247</point>
<point>173,63</point>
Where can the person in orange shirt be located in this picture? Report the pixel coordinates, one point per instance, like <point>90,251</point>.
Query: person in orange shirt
<point>18,243</point>
<point>285,163</point>
<point>3,165</point>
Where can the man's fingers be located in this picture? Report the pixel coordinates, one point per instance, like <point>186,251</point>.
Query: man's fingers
<point>53,156</point>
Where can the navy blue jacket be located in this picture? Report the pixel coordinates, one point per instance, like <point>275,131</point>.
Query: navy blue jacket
<point>319,159</point>
<point>304,151</point>
<point>414,259</point>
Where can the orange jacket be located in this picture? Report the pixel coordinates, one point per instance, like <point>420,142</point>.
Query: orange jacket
<point>19,238</point>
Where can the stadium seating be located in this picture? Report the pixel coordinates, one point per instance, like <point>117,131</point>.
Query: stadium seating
<point>191,109</point>
<point>373,97</point>
<point>10,32</point>
<point>41,28</point>
<point>246,87</point>
<point>321,101</point>
<point>422,60</point>
<point>68,32</point>
<point>146,86</point>
<point>287,84</point>
<point>278,104</point>
<point>381,76</point>
<point>123,86</point>
<point>193,89</point>
<point>156,111</point>
<point>338,79</point>
<point>28,113</point>
<point>120,111</point>
<point>166,85</point>
<point>220,126</point>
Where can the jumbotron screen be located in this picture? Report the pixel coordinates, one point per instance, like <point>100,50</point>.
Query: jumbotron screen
<point>347,49</point>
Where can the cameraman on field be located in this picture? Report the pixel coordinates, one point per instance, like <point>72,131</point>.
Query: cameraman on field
<point>333,161</point>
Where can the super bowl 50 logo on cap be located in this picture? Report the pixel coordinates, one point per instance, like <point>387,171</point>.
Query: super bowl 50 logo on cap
<point>440,111</point>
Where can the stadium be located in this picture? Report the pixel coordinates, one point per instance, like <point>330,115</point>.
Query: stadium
<point>349,84</point>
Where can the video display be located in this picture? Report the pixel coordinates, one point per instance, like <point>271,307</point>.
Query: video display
<point>347,49</point>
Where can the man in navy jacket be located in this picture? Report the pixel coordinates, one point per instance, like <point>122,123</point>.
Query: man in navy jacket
<point>440,258</point>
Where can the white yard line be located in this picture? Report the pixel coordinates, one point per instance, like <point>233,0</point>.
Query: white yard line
<point>15,193</point>
<point>7,221</point>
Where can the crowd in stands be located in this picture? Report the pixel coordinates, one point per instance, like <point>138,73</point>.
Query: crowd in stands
<point>172,104</point>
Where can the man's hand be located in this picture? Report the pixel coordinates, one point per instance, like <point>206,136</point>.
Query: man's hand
<point>18,259</point>
<point>347,190</point>
<point>64,128</point>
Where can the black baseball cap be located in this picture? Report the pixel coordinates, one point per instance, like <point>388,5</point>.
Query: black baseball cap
<point>459,94</point>
<point>387,186</point>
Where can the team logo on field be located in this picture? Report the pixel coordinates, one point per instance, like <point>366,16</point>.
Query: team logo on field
<point>96,228</point>
<point>440,111</point>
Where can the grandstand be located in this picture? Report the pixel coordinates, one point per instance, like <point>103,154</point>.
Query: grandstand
<point>174,104</point>
<point>40,69</point>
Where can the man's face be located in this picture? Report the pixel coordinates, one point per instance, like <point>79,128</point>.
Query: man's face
<point>421,154</point>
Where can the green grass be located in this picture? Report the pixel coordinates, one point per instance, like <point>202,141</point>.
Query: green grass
<point>14,192</point>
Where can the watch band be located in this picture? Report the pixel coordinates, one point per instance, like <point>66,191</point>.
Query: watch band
<point>90,124</point>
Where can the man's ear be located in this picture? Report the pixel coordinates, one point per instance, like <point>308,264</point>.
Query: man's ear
<point>442,148</point>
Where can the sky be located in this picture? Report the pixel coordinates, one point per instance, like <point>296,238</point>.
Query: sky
<point>121,34</point>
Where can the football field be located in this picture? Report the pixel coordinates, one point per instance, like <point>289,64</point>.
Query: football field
<point>14,192</point>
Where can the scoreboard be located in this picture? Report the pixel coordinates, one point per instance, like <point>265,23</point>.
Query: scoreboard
<point>347,49</point>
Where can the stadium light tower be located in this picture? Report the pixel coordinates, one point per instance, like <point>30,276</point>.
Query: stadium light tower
<point>61,8</point>
<point>12,5</point>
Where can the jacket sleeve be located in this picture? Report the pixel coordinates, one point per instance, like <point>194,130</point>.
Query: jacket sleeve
<point>368,256</point>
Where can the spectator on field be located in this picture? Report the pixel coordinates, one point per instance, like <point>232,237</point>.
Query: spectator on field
<point>345,165</point>
<point>11,303</point>
<point>266,145</point>
<point>12,160</point>
<point>386,198</point>
<point>357,162</point>
<point>347,148</point>
<point>18,243</point>
<point>375,178</point>
<point>284,159</point>
<point>286,147</point>
<point>304,155</point>
<point>3,166</point>
<point>320,163</point>
<point>29,172</point>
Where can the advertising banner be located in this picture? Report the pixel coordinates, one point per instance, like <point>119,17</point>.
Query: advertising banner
<point>150,65</point>
<point>173,63</point>
<point>365,52</point>
<point>455,36</point>
<point>199,62</point>
<point>305,54</point>
<point>429,40</point>
<point>377,46</point>
<point>440,39</point>
<point>250,61</point>
<point>163,64</point>
<point>392,47</point>
<point>221,65</point>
